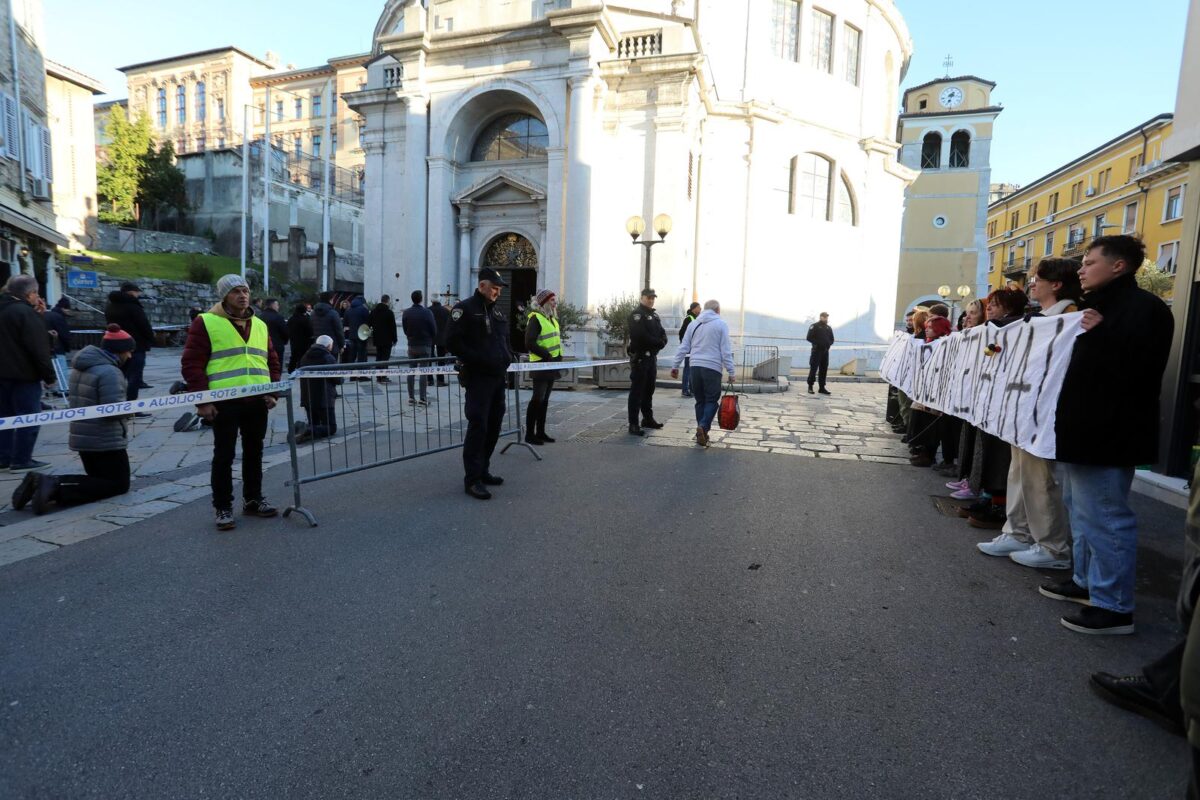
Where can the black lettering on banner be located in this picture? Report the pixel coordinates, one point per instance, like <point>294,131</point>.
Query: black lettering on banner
<point>1060,323</point>
<point>1016,386</point>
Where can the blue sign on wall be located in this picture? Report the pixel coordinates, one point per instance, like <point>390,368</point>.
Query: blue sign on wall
<point>77,259</point>
<point>82,279</point>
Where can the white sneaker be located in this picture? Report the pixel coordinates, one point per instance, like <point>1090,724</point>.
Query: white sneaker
<point>1002,545</point>
<point>1038,558</point>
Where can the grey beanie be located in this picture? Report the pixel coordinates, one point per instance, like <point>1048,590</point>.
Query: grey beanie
<point>227,283</point>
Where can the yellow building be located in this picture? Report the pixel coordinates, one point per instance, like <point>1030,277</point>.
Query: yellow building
<point>945,132</point>
<point>1122,186</point>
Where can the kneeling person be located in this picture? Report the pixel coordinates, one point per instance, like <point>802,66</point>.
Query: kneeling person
<point>102,443</point>
<point>317,394</point>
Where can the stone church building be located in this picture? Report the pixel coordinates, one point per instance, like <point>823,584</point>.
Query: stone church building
<point>523,134</point>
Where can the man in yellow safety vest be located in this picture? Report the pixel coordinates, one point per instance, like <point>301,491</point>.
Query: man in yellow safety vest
<point>228,346</point>
<point>543,340</point>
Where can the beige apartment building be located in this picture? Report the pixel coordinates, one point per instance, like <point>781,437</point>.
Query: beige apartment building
<point>70,116</point>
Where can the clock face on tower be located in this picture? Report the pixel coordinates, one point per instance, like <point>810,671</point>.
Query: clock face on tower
<point>951,97</point>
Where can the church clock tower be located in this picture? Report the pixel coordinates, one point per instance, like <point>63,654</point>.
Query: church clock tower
<point>945,131</point>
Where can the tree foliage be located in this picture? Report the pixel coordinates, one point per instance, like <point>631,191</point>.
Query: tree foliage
<point>1154,280</point>
<point>135,181</point>
<point>616,313</point>
<point>118,175</point>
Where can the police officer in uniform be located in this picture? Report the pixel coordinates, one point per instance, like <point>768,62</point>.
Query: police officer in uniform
<point>646,338</point>
<point>478,338</point>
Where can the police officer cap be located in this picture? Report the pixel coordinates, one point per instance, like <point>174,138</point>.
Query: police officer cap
<point>489,274</point>
<point>649,293</point>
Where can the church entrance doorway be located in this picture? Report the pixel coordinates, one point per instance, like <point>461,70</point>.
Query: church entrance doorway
<point>513,256</point>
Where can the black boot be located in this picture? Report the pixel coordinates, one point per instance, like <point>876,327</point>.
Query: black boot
<point>541,422</point>
<point>531,418</point>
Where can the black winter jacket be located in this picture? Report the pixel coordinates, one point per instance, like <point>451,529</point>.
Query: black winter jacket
<point>25,355</point>
<point>327,322</point>
<point>276,328</point>
<point>126,310</point>
<point>820,335</point>
<point>441,317</point>
<point>56,321</point>
<point>1108,409</point>
<point>478,336</point>
<point>300,335</point>
<point>318,392</point>
<point>383,326</point>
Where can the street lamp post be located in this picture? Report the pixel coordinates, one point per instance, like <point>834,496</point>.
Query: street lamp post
<point>962,291</point>
<point>635,226</point>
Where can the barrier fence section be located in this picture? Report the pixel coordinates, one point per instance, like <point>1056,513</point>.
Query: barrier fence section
<point>354,417</point>
<point>761,361</point>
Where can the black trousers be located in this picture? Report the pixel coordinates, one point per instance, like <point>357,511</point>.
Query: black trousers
<point>539,403</point>
<point>485,415</point>
<point>642,374</point>
<point>134,369</point>
<point>924,431</point>
<point>818,366</point>
<point>322,421</point>
<point>383,353</point>
<point>951,428</point>
<point>248,418</point>
<point>107,476</point>
<point>439,351</point>
<point>893,406</point>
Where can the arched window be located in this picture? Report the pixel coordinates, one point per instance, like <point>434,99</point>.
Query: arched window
<point>931,151</point>
<point>960,150</point>
<point>813,188</point>
<point>512,136</point>
<point>843,207</point>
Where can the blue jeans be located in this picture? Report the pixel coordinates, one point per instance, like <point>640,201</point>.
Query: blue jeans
<point>687,373</point>
<point>706,386</point>
<point>18,397</point>
<point>1105,531</point>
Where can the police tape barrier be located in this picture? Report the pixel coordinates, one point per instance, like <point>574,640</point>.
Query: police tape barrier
<point>150,404</point>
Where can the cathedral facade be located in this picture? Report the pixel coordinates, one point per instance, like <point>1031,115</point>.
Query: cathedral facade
<point>524,135</point>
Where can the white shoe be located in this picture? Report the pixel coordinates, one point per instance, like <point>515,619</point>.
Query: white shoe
<point>1002,545</point>
<point>1038,558</point>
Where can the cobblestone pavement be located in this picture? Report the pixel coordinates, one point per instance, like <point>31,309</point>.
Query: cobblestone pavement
<point>170,469</point>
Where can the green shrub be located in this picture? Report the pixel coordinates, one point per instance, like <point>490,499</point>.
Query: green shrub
<point>197,270</point>
<point>615,314</point>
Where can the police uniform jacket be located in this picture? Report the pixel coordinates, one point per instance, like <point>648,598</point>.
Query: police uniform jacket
<point>478,337</point>
<point>646,334</point>
<point>820,335</point>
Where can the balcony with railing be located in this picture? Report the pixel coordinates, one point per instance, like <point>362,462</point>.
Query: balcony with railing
<point>1075,248</point>
<point>1017,267</point>
<point>640,44</point>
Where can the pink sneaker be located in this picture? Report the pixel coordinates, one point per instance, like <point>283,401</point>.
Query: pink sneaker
<point>964,494</point>
<point>956,485</point>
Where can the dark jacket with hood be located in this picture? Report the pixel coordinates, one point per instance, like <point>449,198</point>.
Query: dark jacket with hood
<point>327,322</point>
<point>95,379</point>
<point>25,355</point>
<point>441,318</point>
<point>478,336</point>
<point>420,328</point>
<point>276,329</point>
<point>318,392</point>
<point>1108,408</point>
<point>357,315</point>
<point>56,321</point>
<point>126,310</point>
<point>383,326</point>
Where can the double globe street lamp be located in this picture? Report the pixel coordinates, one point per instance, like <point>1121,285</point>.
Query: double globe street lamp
<point>635,226</point>
<point>963,292</point>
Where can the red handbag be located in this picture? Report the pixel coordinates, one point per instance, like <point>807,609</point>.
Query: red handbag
<point>729,414</point>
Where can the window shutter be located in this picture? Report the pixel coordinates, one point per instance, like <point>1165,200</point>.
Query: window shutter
<point>11,131</point>
<point>47,155</point>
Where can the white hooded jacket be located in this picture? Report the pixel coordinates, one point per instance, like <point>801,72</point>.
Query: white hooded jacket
<point>707,344</point>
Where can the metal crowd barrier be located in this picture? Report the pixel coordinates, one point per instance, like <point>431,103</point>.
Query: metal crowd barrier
<point>372,423</point>
<point>761,362</point>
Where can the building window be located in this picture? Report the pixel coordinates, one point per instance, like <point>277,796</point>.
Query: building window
<point>181,105</point>
<point>1014,220</point>
<point>162,108</point>
<point>1102,180</point>
<point>316,146</point>
<point>1173,208</point>
<point>844,210</point>
<point>960,150</point>
<point>1049,251</point>
<point>992,261</point>
<point>785,29</point>
<point>1052,203</point>
<point>201,102</point>
<point>822,40</point>
<point>1168,257</point>
<point>299,108</point>
<point>279,111</point>
<point>296,146</point>
<point>1135,163</point>
<point>991,229</point>
<point>201,142</point>
<point>931,151</point>
<point>1098,225</point>
<point>1075,236</point>
<point>1033,215</point>
<point>1012,256</point>
<point>316,105</point>
<point>512,136</point>
<point>1130,224</point>
<point>1076,192</point>
<point>852,46</point>
<point>220,111</point>
<point>813,188</point>
<point>922,104</point>
<point>221,142</point>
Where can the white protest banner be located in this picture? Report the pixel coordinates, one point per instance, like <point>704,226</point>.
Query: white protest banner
<point>1004,381</point>
<point>899,361</point>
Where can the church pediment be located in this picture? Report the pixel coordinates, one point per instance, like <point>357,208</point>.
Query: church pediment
<point>501,189</point>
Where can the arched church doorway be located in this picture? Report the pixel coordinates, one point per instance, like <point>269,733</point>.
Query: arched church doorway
<point>513,256</point>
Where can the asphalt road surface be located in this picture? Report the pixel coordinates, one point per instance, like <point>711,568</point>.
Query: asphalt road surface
<point>620,622</point>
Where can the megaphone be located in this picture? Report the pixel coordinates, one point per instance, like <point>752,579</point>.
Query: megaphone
<point>364,332</point>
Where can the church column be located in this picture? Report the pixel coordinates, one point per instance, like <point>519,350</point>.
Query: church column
<point>440,225</point>
<point>552,256</point>
<point>377,281</point>
<point>577,235</point>
<point>412,209</point>
<point>465,224</point>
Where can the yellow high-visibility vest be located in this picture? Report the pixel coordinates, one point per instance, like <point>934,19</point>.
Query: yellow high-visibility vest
<point>550,336</point>
<point>235,362</point>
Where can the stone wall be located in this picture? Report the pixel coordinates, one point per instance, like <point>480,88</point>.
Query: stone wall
<point>114,239</point>
<point>166,302</point>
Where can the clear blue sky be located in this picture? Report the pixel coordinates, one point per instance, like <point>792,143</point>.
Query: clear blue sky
<point>1071,74</point>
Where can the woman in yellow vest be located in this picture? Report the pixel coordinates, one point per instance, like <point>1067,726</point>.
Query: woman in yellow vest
<point>543,340</point>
